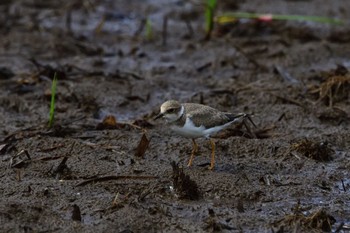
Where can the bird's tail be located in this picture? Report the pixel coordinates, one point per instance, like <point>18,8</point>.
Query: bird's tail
<point>236,117</point>
<point>240,117</point>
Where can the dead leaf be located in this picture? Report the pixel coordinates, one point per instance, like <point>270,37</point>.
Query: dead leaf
<point>109,122</point>
<point>3,148</point>
<point>142,147</point>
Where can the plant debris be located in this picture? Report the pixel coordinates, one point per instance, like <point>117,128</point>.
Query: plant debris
<point>62,170</point>
<point>333,89</point>
<point>319,151</point>
<point>333,114</point>
<point>108,178</point>
<point>184,186</point>
<point>297,222</point>
<point>3,148</point>
<point>18,162</point>
<point>142,147</point>
<point>110,122</point>
<point>76,215</point>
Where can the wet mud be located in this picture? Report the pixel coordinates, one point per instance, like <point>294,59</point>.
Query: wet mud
<point>107,166</point>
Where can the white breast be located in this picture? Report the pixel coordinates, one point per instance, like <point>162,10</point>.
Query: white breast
<point>189,130</point>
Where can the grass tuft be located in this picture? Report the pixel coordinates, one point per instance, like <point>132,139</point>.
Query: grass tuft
<point>209,16</point>
<point>53,99</point>
<point>149,31</point>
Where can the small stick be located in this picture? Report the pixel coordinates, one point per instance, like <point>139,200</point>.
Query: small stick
<point>51,148</point>
<point>46,158</point>
<point>165,30</point>
<point>250,59</point>
<point>285,75</point>
<point>204,66</point>
<point>108,178</point>
<point>100,25</point>
<point>283,115</point>
<point>288,100</point>
<point>18,174</point>
<point>62,164</point>
<point>340,227</point>
<point>69,20</point>
<point>342,183</point>
<point>190,28</point>
<point>140,28</point>
<point>295,155</point>
<point>26,153</point>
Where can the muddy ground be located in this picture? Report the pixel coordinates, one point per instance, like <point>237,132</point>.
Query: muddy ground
<point>289,174</point>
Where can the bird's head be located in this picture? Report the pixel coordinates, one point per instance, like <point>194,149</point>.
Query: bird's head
<point>171,110</point>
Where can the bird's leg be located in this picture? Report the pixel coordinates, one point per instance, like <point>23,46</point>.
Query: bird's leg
<point>194,151</point>
<point>212,160</point>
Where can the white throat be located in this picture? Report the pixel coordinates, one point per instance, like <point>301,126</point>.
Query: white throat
<point>174,117</point>
<point>182,110</point>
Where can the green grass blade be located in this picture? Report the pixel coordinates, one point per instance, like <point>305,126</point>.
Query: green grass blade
<point>236,15</point>
<point>149,32</point>
<point>53,96</point>
<point>209,15</point>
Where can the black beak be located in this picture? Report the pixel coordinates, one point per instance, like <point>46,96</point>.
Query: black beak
<point>159,116</point>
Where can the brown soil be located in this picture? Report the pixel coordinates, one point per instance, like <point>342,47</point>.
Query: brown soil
<point>90,175</point>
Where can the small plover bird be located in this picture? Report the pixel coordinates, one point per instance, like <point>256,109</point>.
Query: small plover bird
<point>193,121</point>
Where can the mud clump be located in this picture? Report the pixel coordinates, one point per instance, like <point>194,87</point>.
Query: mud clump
<point>183,185</point>
<point>319,151</point>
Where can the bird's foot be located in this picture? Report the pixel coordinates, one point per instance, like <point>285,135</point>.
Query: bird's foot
<point>191,160</point>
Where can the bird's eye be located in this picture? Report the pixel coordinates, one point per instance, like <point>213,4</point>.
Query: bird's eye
<point>172,110</point>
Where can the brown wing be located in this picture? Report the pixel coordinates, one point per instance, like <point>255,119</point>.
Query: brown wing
<point>199,113</point>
